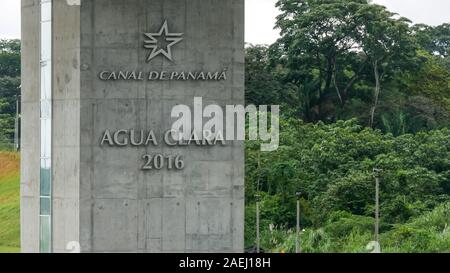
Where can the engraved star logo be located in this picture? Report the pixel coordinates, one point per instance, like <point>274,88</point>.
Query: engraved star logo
<point>154,42</point>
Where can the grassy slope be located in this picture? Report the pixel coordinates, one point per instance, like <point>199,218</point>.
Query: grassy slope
<point>9,202</point>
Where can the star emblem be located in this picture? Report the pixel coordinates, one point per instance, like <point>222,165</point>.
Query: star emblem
<point>170,39</point>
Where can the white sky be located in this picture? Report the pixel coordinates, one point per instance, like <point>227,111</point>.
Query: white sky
<point>260,16</point>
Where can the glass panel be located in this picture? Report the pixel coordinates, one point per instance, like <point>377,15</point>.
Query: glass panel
<point>46,11</point>
<point>45,127</point>
<point>46,139</point>
<point>46,40</point>
<point>43,138</point>
<point>46,109</point>
<point>45,206</point>
<point>46,80</point>
<point>45,176</point>
<point>45,237</point>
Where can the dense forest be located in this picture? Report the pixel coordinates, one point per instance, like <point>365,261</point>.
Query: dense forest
<point>9,90</point>
<point>360,88</point>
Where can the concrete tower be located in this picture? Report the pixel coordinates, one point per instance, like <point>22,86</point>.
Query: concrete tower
<point>98,74</point>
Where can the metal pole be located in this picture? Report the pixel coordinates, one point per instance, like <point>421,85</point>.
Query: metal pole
<point>297,237</point>
<point>376,173</point>
<point>377,209</point>
<point>258,239</point>
<point>16,126</point>
<point>257,225</point>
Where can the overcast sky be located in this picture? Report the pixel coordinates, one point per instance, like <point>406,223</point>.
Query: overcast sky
<point>260,16</point>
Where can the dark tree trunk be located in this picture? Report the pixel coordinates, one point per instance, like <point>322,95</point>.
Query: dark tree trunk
<point>376,94</point>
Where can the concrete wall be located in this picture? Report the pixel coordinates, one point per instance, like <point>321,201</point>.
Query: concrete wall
<point>30,161</point>
<point>199,209</point>
<point>101,195</point>
<point>66,124</point>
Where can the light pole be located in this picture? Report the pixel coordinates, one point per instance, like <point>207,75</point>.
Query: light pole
<point>258,198</point>
<point>297,237</point>
<point>377,173</point>
<point>257,223</point>
<point>17,124</point>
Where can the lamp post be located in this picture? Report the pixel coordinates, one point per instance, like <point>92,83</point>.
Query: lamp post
<point>376,174</point>
<point>257,196</point>
<point>297,237</point>
<point>17,124</point>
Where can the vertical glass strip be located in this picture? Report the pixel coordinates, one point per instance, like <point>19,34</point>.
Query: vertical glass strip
<point>45,180</point>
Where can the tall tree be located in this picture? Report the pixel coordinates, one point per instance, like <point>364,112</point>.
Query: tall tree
<point>328,47</point>
<point>435,40</point>
<point>387,44</point>
<point>318,42</point>
<point>261,86</point>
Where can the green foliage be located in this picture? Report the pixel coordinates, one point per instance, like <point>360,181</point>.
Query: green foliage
<point>333,52</point>
<point>9,88</point>
<point>10,58</point>
<point>356,61</point>
<point>342,223</point>
<point>427,233</point>
<point>345,59</point>
<point>331,164</point>
<point>261,86</point>
<point>435,40</point>
<point>349,233</point>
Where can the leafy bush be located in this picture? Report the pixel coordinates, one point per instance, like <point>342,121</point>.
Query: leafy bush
<point>332,165</point>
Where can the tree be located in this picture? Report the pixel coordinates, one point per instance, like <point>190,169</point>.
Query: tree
<point>332,52</point>
<point>435,40</point>
<point>386,43</point>
<point>261,86</point>
<point>317,52</point>
<point>9,58</point>
<point>9,86</point>
<point>332,165</point>
<point>340,59</point>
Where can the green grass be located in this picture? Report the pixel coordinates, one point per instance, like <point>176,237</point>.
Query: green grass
<point>9,249</point>
<point>9,202</point>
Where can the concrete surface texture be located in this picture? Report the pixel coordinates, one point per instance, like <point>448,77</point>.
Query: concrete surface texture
<point>30,142</point>
<point>101,196</point>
